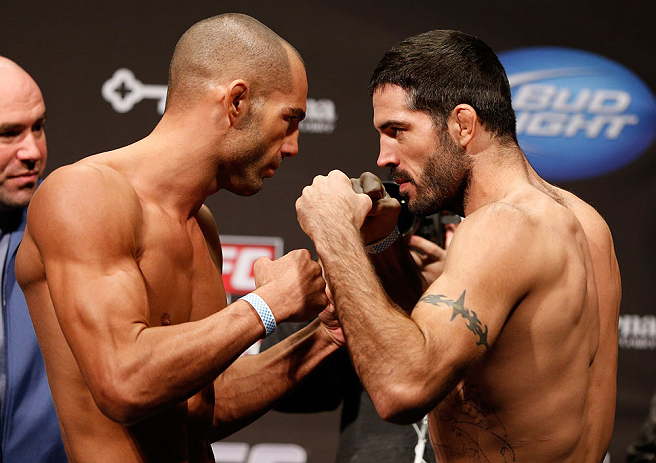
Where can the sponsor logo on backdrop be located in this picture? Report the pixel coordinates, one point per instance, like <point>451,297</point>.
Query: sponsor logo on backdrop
<point>637,332</point>
<point>241,452</point>
<point>123,91</point>
<point>321,117</point>
<point>239,255</point>
<point>579,115</point>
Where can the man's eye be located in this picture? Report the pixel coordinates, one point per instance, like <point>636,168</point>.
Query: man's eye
<point>9,134</point>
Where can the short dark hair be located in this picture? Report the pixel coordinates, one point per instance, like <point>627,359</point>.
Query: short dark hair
<point>441,69</point>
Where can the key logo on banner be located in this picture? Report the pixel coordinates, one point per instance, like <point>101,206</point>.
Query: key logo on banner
<point>579,115</point>
<point>123,91</point>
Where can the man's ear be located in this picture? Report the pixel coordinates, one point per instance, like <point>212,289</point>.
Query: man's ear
<point>237,101</point>
<point>463,124</point>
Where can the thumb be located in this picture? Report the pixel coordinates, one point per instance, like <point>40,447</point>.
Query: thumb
<point>260,266</point>
<point>386,204</point>
<point>363,207</point>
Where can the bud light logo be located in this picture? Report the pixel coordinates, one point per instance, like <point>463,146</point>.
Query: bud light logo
<point>579,115</point>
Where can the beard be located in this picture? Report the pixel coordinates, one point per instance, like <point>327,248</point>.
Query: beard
<point>443,182</point>
<point>251,150</point>
<point>250,167</point>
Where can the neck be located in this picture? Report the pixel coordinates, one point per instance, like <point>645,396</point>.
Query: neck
<point>497,171</point>
<point>176,165</point>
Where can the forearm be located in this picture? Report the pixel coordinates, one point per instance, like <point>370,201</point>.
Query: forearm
<point>323,389</point>
<point>389,351</point>
<point>250,386</point>
<point>164,365</point>
<point>399,274</point>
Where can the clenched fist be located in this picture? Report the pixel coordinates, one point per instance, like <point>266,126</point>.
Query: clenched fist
<point>384,213</point>
<point>292,286</point>
<point>329,203</point>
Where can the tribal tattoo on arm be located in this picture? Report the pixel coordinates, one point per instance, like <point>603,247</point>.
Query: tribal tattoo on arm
<point>471,319</point>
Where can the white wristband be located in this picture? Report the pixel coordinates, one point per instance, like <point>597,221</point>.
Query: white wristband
<point>383,244</point>
<point>263,311</point>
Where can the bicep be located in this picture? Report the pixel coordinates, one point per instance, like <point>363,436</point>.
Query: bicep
<point>96,303</point>
<point>101,305</point>
<point>485,277</point>
<point>88,248</point>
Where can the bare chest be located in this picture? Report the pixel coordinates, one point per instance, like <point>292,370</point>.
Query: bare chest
<point>182,281</point>
<point>464,426</point>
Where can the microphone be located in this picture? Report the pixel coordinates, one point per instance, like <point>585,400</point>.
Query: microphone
<point>430,227</point>
<point>407,221</point>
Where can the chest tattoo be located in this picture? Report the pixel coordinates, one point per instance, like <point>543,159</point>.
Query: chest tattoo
<point>471,429</point>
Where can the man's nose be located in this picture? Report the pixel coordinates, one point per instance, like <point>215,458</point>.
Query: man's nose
<point>289,147</point>
<point>387,156</point>
<point>30,149</point>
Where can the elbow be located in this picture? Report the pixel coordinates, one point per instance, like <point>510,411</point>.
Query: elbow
<point>408,400</point>
<point>401,403</point>
<point>119,402</point>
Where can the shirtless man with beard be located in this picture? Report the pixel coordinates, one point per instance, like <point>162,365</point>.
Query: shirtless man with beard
<point>512,350</point>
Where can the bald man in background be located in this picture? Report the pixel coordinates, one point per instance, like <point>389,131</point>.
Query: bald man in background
<point>30,431</point>
<point>124,278</point>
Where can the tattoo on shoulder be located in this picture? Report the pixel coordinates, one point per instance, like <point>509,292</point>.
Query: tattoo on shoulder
<point>471,319</point>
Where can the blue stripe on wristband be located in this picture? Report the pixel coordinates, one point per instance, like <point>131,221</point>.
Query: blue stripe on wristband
<point>263,311</point>
<point>384,243</point>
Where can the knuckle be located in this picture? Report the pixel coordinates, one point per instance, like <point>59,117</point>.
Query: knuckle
<point>336,173</point>
<point>297,254</point>
<point>259,263</point>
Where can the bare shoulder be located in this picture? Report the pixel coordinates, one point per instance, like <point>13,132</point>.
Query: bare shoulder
<point>522,235</point>
<point>206,221</point>
<point>207,225</point>
<point>495,259</point>
<point>594,225</point>
<point>498,224</point>
<point>85,178</point>
<point>500,238</point>
<point>602,250</point>
<point>85,201</point>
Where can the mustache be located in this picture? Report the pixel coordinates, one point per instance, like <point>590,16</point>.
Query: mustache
<point>399,175</point>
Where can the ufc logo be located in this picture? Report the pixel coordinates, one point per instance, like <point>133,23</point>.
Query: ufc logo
<point>241,452</point>
<point>239,255</point>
